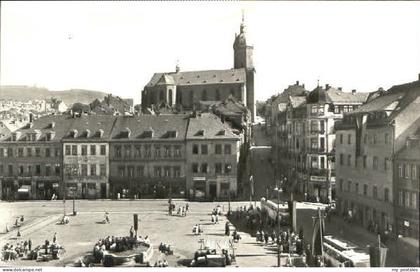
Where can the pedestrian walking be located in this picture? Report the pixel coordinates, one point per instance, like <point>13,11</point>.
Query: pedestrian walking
<point>131,232</point>
<point>266,238</point>
<point>217,219</point>
<point>187,207</point>
<point>54,237</point>
<point>30,244</point>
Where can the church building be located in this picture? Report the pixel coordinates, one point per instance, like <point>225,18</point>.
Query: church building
<point>184,90</point>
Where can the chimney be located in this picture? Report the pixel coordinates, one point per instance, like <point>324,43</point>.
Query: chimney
<point>177,68</point>
<point>419,76</point>
<point>327,86</point>
<point>340,89</point>
<point>353,91</point>
<point>297,82</point>
<point>31,117</point>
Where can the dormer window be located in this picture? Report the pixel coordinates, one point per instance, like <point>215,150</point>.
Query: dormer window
<point>221,133</point>
<point>100,133</point>
<point>52,125</point>
<point>126,133</point>
<point>87,133</point>
<point>74,133</point>
<point>50,135</point>
<point>199,133</point>
<point>171,134</point>
<point>15,137</point>
<point>147,133</point>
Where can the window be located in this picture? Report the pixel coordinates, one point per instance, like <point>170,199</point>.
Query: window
<point>10,170</point>
<point>102,170</point>
<point>314,126</point>
<point>127,151</point>
<point>341,185</point>
<point>375,139</point>
<point>387,164</point>
<point>314,162</point>
<point>47,170</point>
<point>375,192</point>
<point>228,149</point>
<point>20,152</point>
<point>349,186</point>
<point>365,139</point>
<point>414,203</point>
<point>406,199</point>
<point>349,139</point>
<point>195,149</point>
<point>137,151</point>
<point>93,169</point>
<point>93,150</point>
<point>47,152</point>
<point>158,171</point>
<point>386,195</point>
<point>349,160</point>
<point>400,198</point>
<point>341,138</point>
<point>121,171</point>
<point>322,162</point>
<point>387,140</point>
<point>67,150</point>
<point>1,169</point>
<point>1,152</point>
<point>10,152</point>
<point>322,126</point>
<point>218,149</point>
<point>218,168</point>
<point>228,168</point>
<point>117,150</point>
<point>341,159</point>
<point>356,189</point>
<point>195,167</point>
<point>413,172</point>
<point>167,151</point>
<point>157,151</point>
<point>400,171</point>
<point>74,150</point>
<point>130,171</point>
<point>57,169</point>
<point>21,170</point>
<point>57,152</point>
<point>167,171</point>
<point>375,163</point>
<point>140,171</point>
<point>84,170</point>
<point>37,170</point>
<point>365,189</point>
<point>84,150</point>
<point>364,161</point>
<point>147,151</point>
<point>406,171</point>
<point>204,168</point>
<point>177,151</point>
<point>204,149</point>
<point>314,109</point>
<point>103,150</point>
<point>37,152</point>
<point>177,171</point>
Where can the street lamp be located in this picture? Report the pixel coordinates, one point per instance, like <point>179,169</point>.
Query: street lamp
<point>278,190</point>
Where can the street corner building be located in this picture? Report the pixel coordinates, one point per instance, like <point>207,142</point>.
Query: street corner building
<point>212,158</point>
<point>93,156</point>
<point>378,177</point>
<point>186,90</point>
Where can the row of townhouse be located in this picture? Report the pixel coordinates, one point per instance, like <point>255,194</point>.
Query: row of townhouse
<point>303,137</point>
<point>378,161</point>
<point>93,156</point>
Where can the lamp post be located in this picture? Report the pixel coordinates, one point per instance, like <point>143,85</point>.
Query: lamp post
<point>278,190</point>
<point>75,171</point>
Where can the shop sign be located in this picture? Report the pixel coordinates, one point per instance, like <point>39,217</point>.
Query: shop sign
<point>199,178</point>
<point>318,178</point>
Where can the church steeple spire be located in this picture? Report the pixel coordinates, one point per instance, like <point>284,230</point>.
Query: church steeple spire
<point>242,27</point>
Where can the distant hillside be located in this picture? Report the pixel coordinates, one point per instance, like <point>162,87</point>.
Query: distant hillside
<point>25,93</point>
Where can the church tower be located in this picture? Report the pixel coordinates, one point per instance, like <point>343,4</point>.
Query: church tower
<point>243,58</point>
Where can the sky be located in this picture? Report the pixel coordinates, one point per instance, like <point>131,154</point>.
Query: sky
<point>116,47</point>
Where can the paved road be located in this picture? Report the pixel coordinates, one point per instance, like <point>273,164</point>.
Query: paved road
<point>80,235</point>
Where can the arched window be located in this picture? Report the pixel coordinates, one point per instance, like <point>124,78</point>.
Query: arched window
<point>204,95</point>
<point>217,94</point>
<point>170,97</point>
<point>191,98</point>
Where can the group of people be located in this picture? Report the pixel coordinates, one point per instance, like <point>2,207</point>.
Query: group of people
<point>12,252</point>
<point>197,229</point>
<point>182,210</point>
